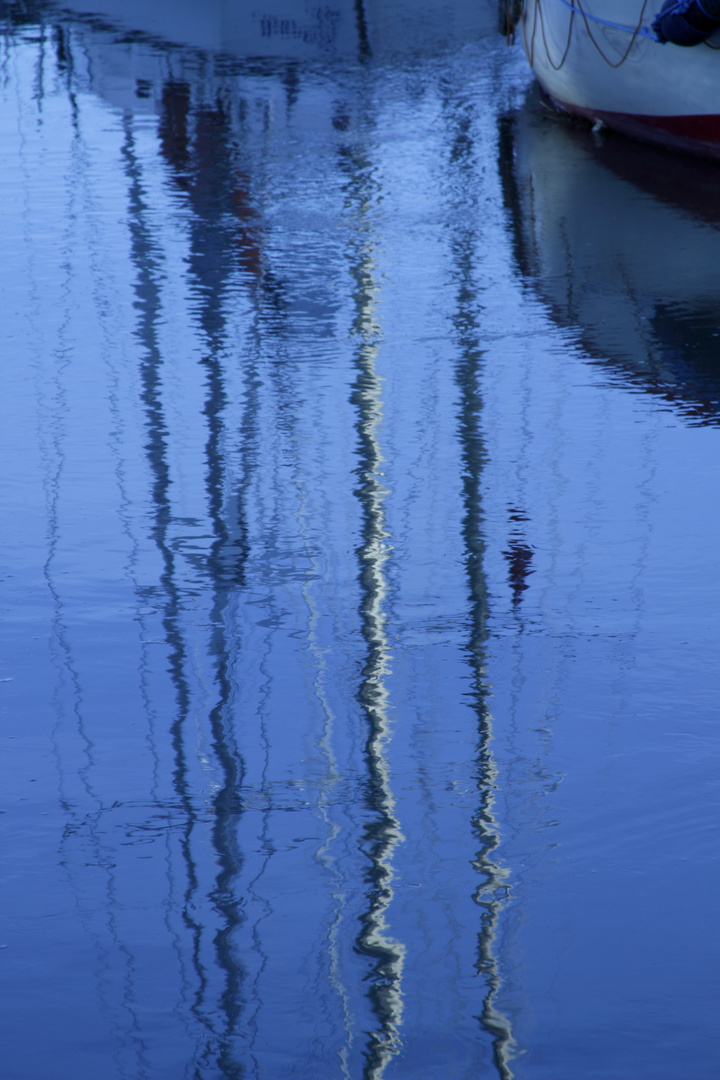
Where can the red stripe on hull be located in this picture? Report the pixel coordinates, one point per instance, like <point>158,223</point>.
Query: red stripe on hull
<point>698,135</point>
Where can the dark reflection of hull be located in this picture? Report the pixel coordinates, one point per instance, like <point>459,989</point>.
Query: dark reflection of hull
<point>623,245</point>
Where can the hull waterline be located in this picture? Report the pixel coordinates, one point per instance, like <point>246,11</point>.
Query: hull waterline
<point>622,78</point>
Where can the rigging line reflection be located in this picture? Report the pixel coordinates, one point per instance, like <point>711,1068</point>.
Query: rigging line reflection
<point>263,903</point>
<point>146,259</point>
<point>225,232</point>
<point>492,893</point>
<point>326,852</point>
<point>217,1050</point>
<point>493,890</point>
<point>382,834</point>
<point>85,809</point>
<point>226,568</point>
<point>84,826</point>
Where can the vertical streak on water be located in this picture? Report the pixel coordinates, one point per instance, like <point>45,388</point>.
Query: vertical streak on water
<point>382,833</point>
<point>326,792</point>
<point>226,566</point>
<point>492,892</point>
<point>211,264</point>
<point>145,257</point>
<point>364,48</point>
<point>85,816</point>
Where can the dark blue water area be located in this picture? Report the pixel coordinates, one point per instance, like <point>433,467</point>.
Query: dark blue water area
<point>360,443</point>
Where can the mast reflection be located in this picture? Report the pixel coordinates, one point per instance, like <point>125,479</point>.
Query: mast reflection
<point>201,166</point>
<point>492,893</point>
<point>382,834</point>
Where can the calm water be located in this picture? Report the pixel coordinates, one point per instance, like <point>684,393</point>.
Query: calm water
<point>361,447</point>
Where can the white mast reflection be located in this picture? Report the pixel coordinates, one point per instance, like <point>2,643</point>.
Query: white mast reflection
<point>383,834</point>
<point>492,893</point>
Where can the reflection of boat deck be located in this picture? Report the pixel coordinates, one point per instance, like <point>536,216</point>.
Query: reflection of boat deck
<point>614,245</point>
<point>298,29</point>
<point>284,28</point>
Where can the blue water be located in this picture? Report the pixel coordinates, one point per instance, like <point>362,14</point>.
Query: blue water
<point>360,442</point>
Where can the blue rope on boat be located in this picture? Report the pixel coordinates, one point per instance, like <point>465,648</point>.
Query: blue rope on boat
<point>641,32</point>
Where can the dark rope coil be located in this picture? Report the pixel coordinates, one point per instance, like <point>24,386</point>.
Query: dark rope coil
<point>687,22</point>
<point>509,15</point>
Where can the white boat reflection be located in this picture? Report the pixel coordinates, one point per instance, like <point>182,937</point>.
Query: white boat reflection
<point>622,243</point>
<point>298,29</point>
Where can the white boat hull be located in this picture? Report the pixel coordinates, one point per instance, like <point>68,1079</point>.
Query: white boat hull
<point>662,93</point>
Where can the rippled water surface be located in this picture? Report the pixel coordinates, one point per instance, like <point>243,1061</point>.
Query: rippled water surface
<point>360,442</point>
